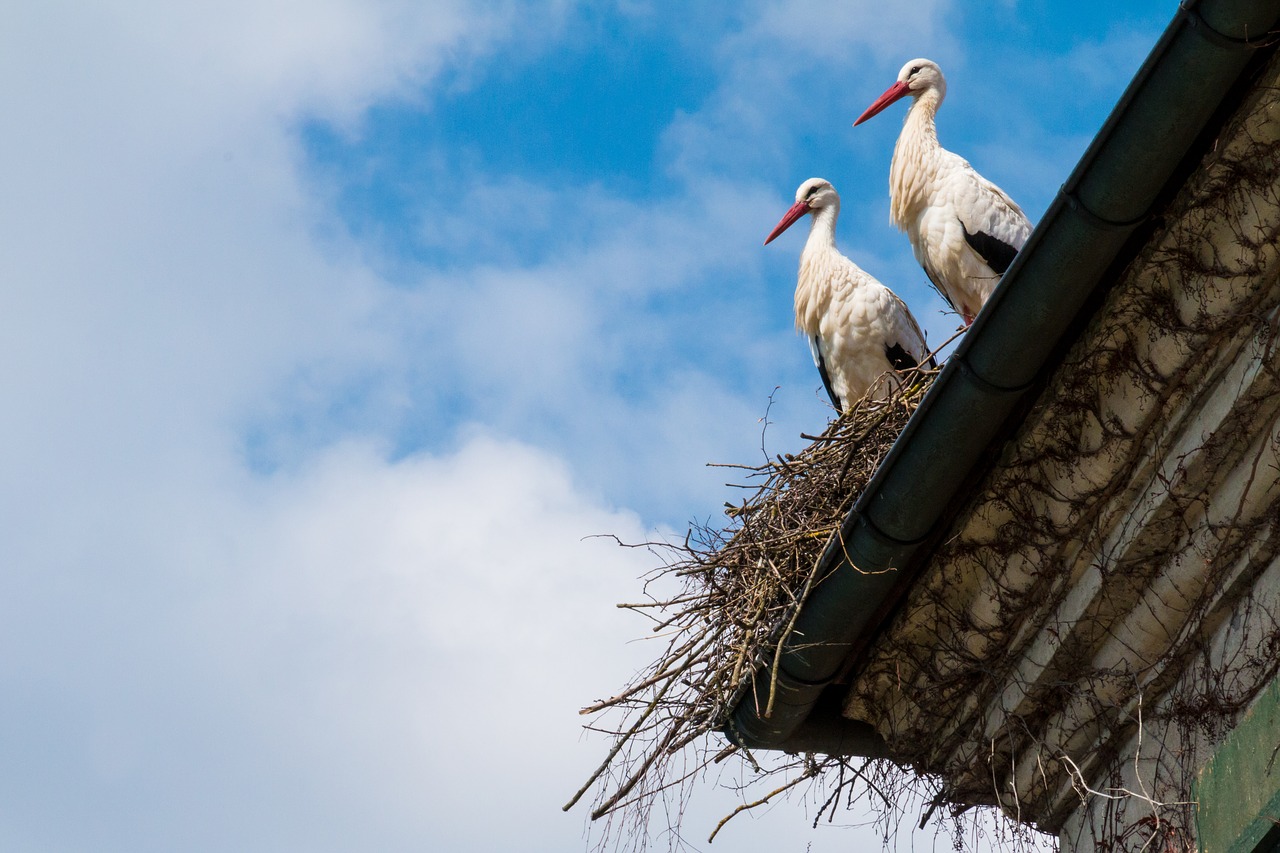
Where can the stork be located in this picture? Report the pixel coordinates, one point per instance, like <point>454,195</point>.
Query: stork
<point>859,331</point>
<point>964,230</point>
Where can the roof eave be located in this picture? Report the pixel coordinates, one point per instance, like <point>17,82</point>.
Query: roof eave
<point>1116,186</point>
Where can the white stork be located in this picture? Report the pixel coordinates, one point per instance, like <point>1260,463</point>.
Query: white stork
<point>965,230</point>
<point>859,330</point>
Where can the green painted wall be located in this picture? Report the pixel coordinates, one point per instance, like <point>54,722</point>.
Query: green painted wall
<point>1238,791</point>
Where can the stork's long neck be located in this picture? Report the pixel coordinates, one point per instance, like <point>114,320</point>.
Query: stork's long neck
<point>816,262</point>
<point>822,230</point>
<point>915,159</point>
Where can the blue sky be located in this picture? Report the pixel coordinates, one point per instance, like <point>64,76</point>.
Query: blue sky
<point>334,332</point>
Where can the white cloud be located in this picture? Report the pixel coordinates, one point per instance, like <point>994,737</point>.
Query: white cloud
<point>799,68</point>
<point>637,348</point>
<point>194,656</point>
<point>438,618</point>
<point>360,649</point>
<point>353,652</point>
<point>343,657</point>
<point>156,231</point>
<point>834,35</point>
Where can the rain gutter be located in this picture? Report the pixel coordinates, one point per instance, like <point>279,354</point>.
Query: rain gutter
<point>1016,338</point>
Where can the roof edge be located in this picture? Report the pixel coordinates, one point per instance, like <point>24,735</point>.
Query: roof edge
<point>1111,192</point>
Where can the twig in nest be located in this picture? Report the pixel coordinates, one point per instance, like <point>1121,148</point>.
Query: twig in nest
<point>740,590</point>
<point>808,774</point>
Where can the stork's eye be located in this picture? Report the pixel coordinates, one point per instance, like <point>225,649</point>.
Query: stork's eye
<point>915,69</point>
<point>811,192</point>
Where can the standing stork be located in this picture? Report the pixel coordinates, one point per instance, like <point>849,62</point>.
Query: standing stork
<point>858,329</point>
<point>964,230</point>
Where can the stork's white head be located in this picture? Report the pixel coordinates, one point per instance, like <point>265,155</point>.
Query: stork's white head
<point>814,194</point>
<point>915,79</point>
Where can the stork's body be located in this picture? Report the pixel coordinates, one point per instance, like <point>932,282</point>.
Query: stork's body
<point>964,230</point>
<point>860,332</point>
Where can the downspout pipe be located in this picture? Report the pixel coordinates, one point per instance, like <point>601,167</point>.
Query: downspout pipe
<point>1110,193</point>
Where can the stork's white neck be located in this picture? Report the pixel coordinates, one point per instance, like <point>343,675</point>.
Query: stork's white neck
<point>914,160</point>
<point>822,229</point>
<point>817,259</point>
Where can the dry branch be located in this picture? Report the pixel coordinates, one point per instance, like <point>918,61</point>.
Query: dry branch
<point>734,593</point>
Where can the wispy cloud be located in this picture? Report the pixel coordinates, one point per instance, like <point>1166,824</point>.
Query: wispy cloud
<point>339,657</point>
<point>297,516</point>
<point>795,68</point>
<point>186,638</point>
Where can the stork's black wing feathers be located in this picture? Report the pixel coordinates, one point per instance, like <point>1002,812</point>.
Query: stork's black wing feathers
<point>997,253</point>
<point>941,292</point>
<point>821,361</point>
<point>899,357</point>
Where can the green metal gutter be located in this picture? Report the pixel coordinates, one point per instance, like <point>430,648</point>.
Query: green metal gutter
<point>1111,192</point>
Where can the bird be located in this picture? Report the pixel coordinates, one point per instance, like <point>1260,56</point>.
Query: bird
<point>964,230</point>
<point>859,331</point>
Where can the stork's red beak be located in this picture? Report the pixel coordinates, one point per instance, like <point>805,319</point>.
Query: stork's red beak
<point>797,210</point>
<point>893,93</point>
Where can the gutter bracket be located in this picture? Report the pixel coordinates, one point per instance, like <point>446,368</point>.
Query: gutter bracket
<point>1191,14</point>
<point>1075,205</point>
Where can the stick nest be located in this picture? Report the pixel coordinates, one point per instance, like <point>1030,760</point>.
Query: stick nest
<point>725,599</point>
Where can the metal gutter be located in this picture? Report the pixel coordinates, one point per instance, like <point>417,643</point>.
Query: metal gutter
<point>1110,193</point>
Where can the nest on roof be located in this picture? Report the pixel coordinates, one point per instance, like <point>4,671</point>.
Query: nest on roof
<point>726,598</point>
